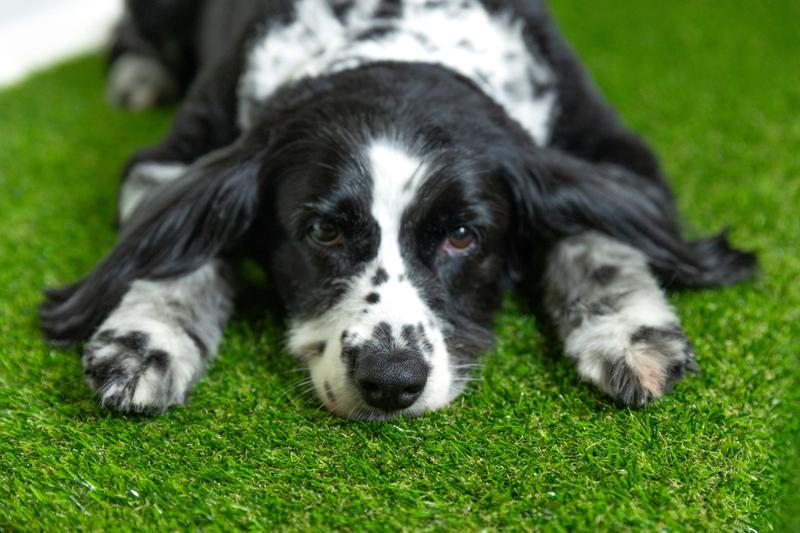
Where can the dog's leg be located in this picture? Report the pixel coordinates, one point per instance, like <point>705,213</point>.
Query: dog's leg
<point>614,319</point>
<point>154,346</point>
<point>151,350</point>
<point>159,340</point>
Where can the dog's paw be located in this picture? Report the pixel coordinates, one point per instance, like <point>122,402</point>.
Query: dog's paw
<point>649,367</point>
<point>139,371</point>
<point>138,82</point>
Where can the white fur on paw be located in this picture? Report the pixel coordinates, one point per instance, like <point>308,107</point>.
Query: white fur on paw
<point>138,82</point>
<point>649,367</point>
<point>144,370</point>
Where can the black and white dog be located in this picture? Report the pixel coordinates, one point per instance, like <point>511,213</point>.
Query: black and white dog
<point>394,165</point>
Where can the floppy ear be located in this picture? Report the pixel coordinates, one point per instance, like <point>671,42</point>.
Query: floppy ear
<point>201,216</point>
<point>557,195</point>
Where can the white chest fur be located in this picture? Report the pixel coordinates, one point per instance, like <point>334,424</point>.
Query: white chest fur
<point>458,34</point>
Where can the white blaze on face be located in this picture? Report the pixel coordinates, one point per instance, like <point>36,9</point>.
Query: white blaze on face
<point>371,300</point>
<point>396,177</point>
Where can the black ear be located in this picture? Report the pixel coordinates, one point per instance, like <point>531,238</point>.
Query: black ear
<point>558,195</point>
<point>204,215</point>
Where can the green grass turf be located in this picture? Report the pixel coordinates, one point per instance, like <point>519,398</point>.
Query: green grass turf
<point>709,83</point>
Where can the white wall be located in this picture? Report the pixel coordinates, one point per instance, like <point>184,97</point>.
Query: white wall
<point>36,33</point>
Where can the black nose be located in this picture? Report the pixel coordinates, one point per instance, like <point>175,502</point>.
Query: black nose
<point>391,382</point>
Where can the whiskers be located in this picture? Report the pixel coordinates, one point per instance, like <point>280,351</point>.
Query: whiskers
<point>302,392</point>
<point>465,374</point>
<point>467,367</point>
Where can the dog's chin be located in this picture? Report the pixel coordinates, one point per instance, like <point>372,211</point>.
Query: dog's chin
<point>368,414</point>
<point>364,412</point>
<point>353,407</point>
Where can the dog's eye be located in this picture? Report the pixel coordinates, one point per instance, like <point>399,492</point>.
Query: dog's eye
<point>460,240</point>
<point>325,233</point>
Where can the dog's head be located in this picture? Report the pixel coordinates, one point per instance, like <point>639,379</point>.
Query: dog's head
<point>389,205</point>
<point>384,233</point>
<point>387,250</point>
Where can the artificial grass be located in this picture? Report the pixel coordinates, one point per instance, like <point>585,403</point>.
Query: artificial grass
<point>526,447</point>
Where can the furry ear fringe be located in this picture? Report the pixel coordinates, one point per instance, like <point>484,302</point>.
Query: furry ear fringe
<point>204,215</point>
<point>710,262</point>
<point>560,196</point>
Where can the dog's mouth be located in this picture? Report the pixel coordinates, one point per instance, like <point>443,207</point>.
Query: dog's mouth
<point>365,413</point>
<point>379,387</point>
<point>382,376</point>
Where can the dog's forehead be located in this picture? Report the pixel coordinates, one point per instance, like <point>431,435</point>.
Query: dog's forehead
<point>388,181</point>
<point>380,177</point>
<point>397,175</point>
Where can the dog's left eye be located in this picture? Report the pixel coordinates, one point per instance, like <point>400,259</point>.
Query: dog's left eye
<point>460,239</point>
<point>325,233</point>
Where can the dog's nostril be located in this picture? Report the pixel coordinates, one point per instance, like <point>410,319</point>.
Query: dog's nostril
<point>372,393</point>
<point>391,383</point>
<point>414,389</point>
<point>370,387</point>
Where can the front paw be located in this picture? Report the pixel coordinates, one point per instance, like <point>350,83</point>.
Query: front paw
<point>130,372</point>
<point>654,360</point>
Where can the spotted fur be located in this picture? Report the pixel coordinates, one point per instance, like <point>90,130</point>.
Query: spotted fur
<point>151,350</point>
<point>462,35</point>
<point>614,319</point>
<point>394,166</point>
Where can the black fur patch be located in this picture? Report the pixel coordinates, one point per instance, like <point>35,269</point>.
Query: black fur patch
<point>329,392</point>
<point>314,350</point>
<point>349,352</point>
<point>661,339</point>
<point>380,277</point>
<point>375,32</point>
<point>607,305</point>
<point>577,312</point>
<point>425,343</point>
<point>198,342</point>
<point>373,298</point>
<point>415,338</point>
<point>382,334</point>
<point>135,340</point>
<point>340,9</point>
<point>158,359</point>
<point>623,384</point>
<point>409,336</point>
<point>389,9</point>
<point>605,274</point>
<point>106,335</point>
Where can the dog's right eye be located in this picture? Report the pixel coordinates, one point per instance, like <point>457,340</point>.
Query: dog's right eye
<point>325,233</point>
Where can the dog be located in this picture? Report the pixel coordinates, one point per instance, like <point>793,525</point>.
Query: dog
<point>394,166</point>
